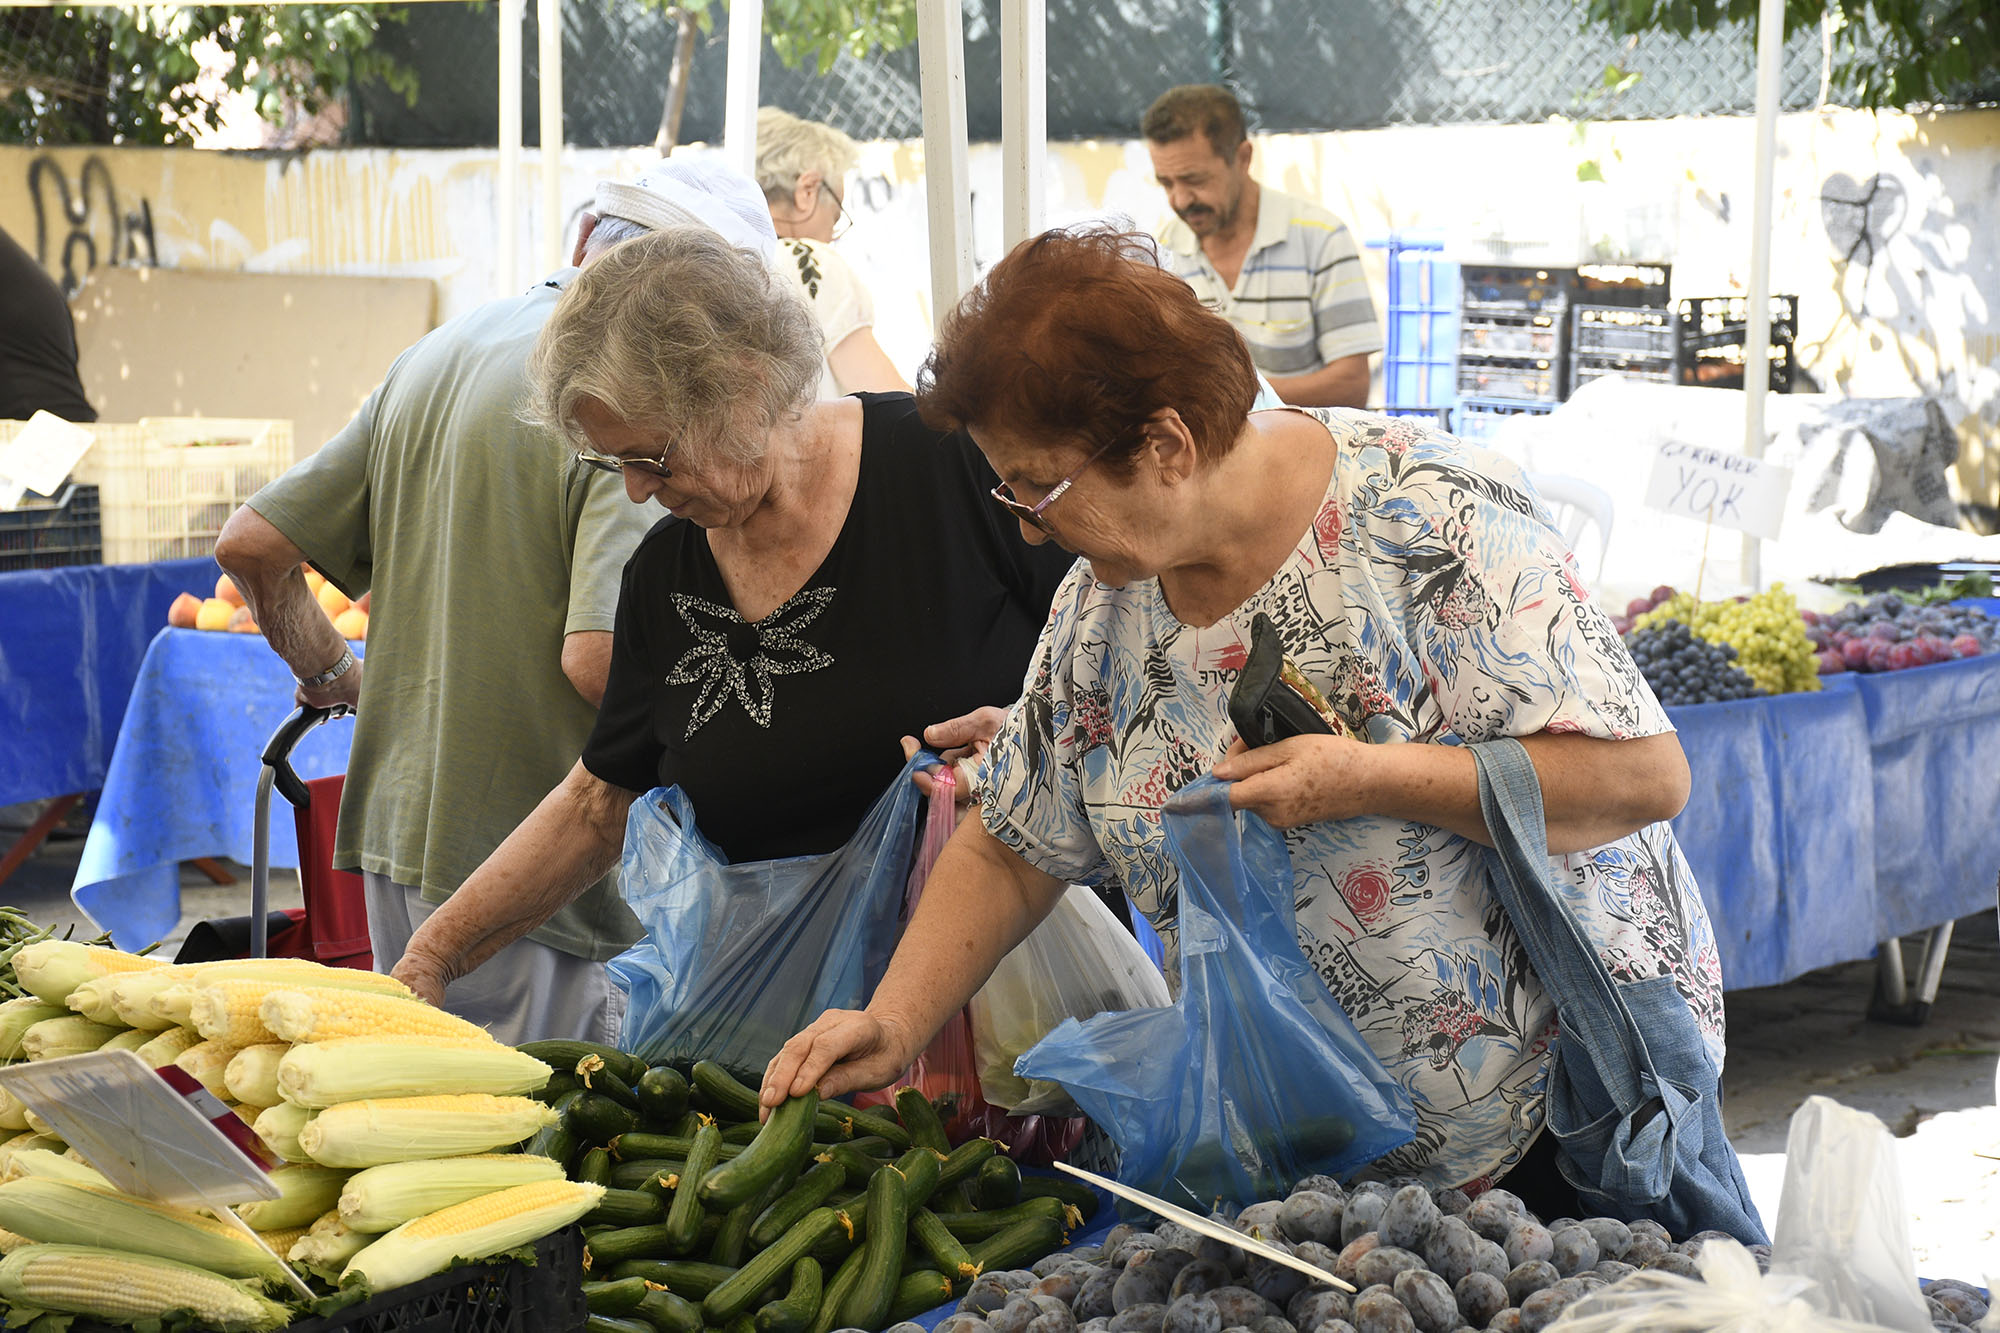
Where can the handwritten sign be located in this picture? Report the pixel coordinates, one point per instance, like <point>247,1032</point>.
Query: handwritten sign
<point>1716,486</point>
<point>42,453</point>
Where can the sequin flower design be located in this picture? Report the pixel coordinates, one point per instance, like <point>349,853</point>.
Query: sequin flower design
<point>733,656</point>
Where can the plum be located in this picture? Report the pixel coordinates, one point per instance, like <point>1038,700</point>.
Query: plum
<point>1139,1319</point>
<point>1094,1301</point>
<point>1524,1280</point>
<point>1480,1296</point>
<point>1192,1314</point>
<point>1407,1220</point>
<point>1432,1307</point>
<point>1573,1250</point>
<point>1362,1215</point>
<point>1310,1215</point>
<point>1310,1309</point>
<point>1527,1241</point>
<point>1381,1264</point>
<point>1200,1276</point>
<point>1452,1251</point>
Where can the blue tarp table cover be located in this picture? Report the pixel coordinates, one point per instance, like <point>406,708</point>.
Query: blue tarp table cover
<point>183,780</point>
<point>70,645</point>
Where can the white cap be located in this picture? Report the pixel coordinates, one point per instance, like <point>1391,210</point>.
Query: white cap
<point>693,191</point>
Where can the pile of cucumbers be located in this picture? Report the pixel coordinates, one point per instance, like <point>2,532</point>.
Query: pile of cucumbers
<point>822,1218</point>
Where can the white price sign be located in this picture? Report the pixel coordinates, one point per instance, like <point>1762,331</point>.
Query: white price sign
<point>1713,485</point>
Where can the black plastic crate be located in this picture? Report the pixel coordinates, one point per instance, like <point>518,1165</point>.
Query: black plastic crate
<point>1499,289</point>
<point>51,533</point>
<point>1623,284</point>
<point>1722,367</point>
<point>1537,380</point>
<point>1657,370</point>
<point>1538,335</point>
<point>1626,331</point>
<point>1722,321</point>
<point>1476,419</point>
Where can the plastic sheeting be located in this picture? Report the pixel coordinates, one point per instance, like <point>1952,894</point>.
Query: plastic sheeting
<point>183,781</point>
<point>71,641</point>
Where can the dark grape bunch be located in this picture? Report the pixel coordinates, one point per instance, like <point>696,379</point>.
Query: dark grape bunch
<point>1685,670</point>
<point>1888,633</point>
<point>1422,1261</point>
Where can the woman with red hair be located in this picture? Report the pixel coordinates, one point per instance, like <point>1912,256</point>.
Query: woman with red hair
<point>1415,581</point>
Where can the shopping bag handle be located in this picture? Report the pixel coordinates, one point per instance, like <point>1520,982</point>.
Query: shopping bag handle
<point>277,754</point>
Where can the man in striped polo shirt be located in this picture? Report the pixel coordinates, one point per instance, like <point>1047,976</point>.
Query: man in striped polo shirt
<point>1284,271</point>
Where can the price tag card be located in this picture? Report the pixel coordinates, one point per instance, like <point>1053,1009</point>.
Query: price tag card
<point>1713,485</point>
<point>44,452</point>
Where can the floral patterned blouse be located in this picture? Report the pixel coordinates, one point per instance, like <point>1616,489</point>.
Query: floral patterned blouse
<point>1432,601</point>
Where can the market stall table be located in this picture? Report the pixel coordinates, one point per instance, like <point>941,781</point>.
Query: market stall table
<point>182,782</point>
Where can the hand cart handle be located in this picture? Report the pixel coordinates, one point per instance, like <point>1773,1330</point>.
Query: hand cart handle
<point>278,752</point>
<point>278,772</point>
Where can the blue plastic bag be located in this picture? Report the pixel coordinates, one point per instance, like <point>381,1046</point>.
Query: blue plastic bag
<point>1255,1076</point>
<point>737,958</point>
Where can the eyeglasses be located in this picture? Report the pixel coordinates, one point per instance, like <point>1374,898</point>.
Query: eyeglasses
<point>843,221</point>
<point>1032,514</point>
<point>652,467</point>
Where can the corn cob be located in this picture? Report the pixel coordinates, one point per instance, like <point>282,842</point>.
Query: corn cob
<point>326,1015</point>
<point>325,1249</point>
<point>37,1125</point>
<point>13,1112</point>
<point>53,1038</point>
<point>62,1212</point>
<point>252,1074</point>
<point>54,1165</point>
<point>133,994</point>
<point>384,1197</point>
<point>204,1062</point>
<point>176,1002</point>
<point>282,1240</point>
<point>167,1047</point>
<point>470,1230</point>
<point>308,1191</point>
<point>9,1242</point>
<point>278,1126</point>
<point>126,1287</point>
<point>17,1016</point>
<point>20,1143</point>
<point>53,968</point>
<point>131,1039</point>
<point>93,1000</point>
<point>352,1069</point>
<point>402,1129</point>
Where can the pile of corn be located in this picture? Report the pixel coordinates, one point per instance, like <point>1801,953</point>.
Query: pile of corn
<point>393,1120</point>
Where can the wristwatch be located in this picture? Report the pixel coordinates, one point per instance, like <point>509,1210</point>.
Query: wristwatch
<point>331,674</point>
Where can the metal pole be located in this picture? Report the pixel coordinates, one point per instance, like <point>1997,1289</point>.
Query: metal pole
<point>506,196</point>
<point>1222,42</point>
<point>548,20</point>
<point>1024,117</point>
<point>739,96</point>
<point>260,867</point>
<point>1757,323</point>
<point>947,177</point>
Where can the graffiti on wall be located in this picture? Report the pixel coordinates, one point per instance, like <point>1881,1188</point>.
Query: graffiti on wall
<point>81,224</point>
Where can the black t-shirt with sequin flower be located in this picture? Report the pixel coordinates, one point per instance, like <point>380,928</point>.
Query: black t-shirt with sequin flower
<point>784,732</point>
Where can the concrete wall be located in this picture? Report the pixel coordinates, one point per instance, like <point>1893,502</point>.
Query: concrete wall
<point>1884,223</point>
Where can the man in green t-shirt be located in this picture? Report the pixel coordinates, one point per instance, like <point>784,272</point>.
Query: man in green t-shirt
<point>492,556</point>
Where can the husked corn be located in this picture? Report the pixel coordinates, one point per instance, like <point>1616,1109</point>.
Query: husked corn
<point>127,1287</point>
<point>383,1197</point>
<point>9,1242</point>
<point>325,1249</point>
<point>309,1190</point>
<point>326,1015</point>
<point>402,1129</point>
<point>471,1230</point>
<point>28,1142</point>
<point>93,1000</point>
<point>17,1016</point>
<point>205,1062</point>
<point>131,1039</point>
<point>252,1074</point>
<point>55,1165</point>
<point>62,1212</point>
<point>53,968</point>
<point>350,1069</point>
<point>278,1126</point>
<point>166,1047</point>
<point>13,1112</point>
<point>53,1038</point>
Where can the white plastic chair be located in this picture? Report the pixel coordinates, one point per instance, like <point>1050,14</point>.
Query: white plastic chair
<point>1576,505</point>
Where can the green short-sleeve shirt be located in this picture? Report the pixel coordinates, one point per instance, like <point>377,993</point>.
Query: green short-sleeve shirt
<point>484,543</point>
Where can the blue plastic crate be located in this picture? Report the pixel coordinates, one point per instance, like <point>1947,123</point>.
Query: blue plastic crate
<point>1420,355</point>
<point>1478,418</point>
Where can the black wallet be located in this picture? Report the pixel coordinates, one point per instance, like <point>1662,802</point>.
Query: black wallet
<point>1263,706</point>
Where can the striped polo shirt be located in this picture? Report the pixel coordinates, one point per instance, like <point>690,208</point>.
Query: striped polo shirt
<point>1301,301</point>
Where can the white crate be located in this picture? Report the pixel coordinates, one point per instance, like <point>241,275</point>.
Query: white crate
<point>166,485</point>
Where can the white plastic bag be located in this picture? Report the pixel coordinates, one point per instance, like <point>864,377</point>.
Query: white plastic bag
<point>1730,1297</point>
<point>1080,961</point>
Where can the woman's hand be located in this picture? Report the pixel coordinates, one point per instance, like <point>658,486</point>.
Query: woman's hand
<point>1301,780</point>
<point>845,1050</point>
<point>962,742</point>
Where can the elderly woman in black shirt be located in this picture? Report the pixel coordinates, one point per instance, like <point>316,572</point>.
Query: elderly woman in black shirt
<point>831,579</point>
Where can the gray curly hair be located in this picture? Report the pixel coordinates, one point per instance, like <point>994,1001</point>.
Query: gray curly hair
<point>682,331</point>
<point>788,147</point>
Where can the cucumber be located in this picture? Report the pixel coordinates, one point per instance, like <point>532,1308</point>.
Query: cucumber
<point>560,1083</point>
<point>628,1146</point>
<point>965,1161</point>
<point>685,1126</point>
<point>594,1074</point>
<point>668,1313</point>
<point>811,1190</point>
<point>594,1167</point>
<point>604,1323</point>
<point>921,1119</point>
<point>979,1226</point>
<point>555,1140</point>
<point>684,1214</point>
<point>595,1118</point>
<point>732,1242</point>
<point>867,1305</point>
<point>742,1292</point>
<point>614,1298</point>
<point>917,1292</point>
<point>799,1305</point>
<point>743,1134</point>
<point>640,1171</point>
<point>609,1249</point>
<point>998,1184</point>
<point>946,1250</point>
<point>1022,1243</point>
<point>627,1208</point>
<point>561,1054</point>
<point>662,1094</point>
<point>836,1293</point>
<point>776,1152</point>
<point>686,1278</point>
<point>718,1092</point>
<point>868,1124</point>
<point>919,1168</point>
<point>1075,1193</point>
<point>859,1166</point>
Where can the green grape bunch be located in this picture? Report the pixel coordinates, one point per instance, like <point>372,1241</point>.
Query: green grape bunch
<point>1766,632</point>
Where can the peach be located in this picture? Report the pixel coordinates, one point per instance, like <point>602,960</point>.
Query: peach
<point>214,614</point>
<point>181,615</point>
<point>366,598</point>
<point>225,589</point>
<point>241,623</point>
<point>313,579</point>
<point>332,600</point>
<point>352,623</point>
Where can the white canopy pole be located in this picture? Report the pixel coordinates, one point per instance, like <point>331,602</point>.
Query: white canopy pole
<point>739,97</point>
<point>548,22</point>
<point>506,197</point>
<point>947,177</point>
<point>1024,117</point>
<point>1757,321</point>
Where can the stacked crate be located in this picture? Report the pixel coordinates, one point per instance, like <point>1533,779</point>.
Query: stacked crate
<point>1711,333</point>
<point>1511,324</point>
<point>1634,341</point>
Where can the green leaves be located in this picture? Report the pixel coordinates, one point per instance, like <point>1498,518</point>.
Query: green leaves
<point>819,30</point>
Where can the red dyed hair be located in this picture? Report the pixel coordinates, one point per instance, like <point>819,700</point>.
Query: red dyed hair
<point>1078,336</point>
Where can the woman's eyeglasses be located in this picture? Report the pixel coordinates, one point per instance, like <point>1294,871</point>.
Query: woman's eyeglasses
<point>843,221</point>
<point>1032,514</point>
<point>652,467</point>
